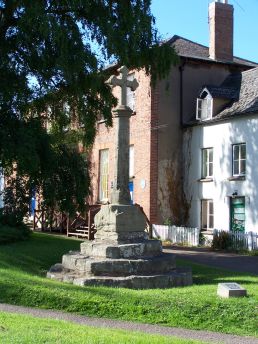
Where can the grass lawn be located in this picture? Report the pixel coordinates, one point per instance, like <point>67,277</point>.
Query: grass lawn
<point>23,266</point>
<point>43,331</point>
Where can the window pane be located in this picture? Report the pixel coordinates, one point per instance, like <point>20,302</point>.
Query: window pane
<point>209,109</point>
<point>211,207</point>
<point>211,154</point>
<point>204,215</point>
<point>103,174</point>
<point>242,167</point>
<point>243,151</point>
<point>211,224</point>
<point>204,109</point>
<point>131,94</point>
<point>210,170</point>
<point>131,161</point>
<point>236,167</point>
<point>236,152</point>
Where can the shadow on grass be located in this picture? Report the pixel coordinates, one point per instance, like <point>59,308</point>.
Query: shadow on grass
<point>203,274</point>
<point>36,255</point>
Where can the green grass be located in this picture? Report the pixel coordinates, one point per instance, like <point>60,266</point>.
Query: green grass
<point>43,331</point>
<point>23,266</point>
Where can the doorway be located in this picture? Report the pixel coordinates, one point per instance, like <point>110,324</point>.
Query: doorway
<point>237,214</point>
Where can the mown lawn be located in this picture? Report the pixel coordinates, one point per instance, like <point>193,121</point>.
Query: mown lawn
<point>42,331</point>
<point>23,267</point>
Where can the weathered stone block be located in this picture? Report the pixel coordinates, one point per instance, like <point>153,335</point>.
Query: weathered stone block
<point>147,248</point>
<point>231,290</point>
<point>120,218</point>
<point>127,267</point>
<point>169,280</point>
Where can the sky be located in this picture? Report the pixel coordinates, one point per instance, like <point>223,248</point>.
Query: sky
<point>189,19</point>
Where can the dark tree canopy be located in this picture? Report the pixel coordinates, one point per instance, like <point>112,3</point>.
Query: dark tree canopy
<point>53,55</point>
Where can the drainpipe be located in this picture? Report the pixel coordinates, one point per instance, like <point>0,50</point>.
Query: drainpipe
<point>181,71</point>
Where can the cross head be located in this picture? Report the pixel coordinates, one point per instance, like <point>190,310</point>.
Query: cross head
<point>123,82</point>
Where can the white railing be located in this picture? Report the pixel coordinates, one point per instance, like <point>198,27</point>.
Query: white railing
<point>177,235</point>
<point>240,240</point>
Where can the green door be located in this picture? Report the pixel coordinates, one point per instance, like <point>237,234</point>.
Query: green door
<point>237,211</point>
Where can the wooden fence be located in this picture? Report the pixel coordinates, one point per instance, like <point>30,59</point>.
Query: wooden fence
<point>177,235</point>
<point>240,240</point>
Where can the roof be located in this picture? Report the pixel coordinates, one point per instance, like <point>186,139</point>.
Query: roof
<point>187,48</point>
<point>246,86</point>
<point>220,91</point>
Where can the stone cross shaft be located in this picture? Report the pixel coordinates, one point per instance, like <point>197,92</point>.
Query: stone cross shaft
<point>120,193</point>
<point>123,82</point>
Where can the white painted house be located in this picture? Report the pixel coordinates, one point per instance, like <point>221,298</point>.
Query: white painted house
<point>221,156</point>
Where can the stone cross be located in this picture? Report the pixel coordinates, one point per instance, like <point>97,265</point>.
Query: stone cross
<point>120,193</point>
<point>123,82</point>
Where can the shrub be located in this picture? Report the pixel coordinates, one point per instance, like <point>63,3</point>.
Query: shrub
<point>9,234</point>
<point>221,240</point>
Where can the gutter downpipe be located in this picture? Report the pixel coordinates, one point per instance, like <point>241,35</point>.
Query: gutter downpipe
<point>181,71</point>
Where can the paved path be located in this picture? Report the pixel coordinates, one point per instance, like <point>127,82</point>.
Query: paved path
<point>206,336</point>
<point>229,261</point>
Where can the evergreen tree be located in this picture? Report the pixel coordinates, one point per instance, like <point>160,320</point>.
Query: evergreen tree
<point>53,55</point>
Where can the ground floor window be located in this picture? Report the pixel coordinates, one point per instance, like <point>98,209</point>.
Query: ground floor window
<point>207,214</point>
<point>237,214</point>
<point>103,174</point>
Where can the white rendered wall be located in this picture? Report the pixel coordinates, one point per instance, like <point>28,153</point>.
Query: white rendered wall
<point>221,137</point>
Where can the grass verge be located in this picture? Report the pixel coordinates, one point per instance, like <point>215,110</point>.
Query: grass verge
<point>43,331</point>
<point>23,266</point>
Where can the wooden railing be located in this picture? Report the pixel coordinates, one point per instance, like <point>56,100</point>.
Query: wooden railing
<point>80,225</point>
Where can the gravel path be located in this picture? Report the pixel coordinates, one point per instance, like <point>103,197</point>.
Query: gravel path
<point>229,261</point>
<point>209,337</point>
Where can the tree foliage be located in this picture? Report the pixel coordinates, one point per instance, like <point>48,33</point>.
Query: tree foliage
<point>53,55</point>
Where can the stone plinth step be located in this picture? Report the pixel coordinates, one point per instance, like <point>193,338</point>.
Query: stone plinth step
<point>145,249</point>
<point>126,267</point>
<point>173,279</point>
<point>119,267</point>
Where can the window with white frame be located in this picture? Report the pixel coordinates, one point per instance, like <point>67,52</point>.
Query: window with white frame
<point>131,161</point>
<point>204,109</point>
<point>207,162</point>
<point>207,214</point>
<point>131,94</point>
<point>239,159</point>
<point>103,174</point>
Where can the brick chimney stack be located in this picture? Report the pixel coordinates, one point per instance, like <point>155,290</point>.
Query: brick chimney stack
<point>221,30</point>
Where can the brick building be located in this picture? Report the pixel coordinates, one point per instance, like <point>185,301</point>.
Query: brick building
<point>157,160</point>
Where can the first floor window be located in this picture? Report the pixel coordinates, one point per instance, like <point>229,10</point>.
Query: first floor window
<point>204,109</point>
<point>103,174</point>
<point>207,162</point>
<point>239,159</point>
<point>207,216</point>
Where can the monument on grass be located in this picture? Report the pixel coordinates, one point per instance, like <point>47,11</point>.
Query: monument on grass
<point>121,254</point>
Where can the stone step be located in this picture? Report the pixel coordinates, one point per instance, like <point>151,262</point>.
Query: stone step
<point>119,267</point>
<point>145,249</point>
<point>177,278</point>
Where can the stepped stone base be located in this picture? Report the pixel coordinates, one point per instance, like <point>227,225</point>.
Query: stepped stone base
<point>121,256</point>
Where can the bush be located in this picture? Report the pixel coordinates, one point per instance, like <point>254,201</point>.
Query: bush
<point>221,241</point>
<point>9,234</point>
